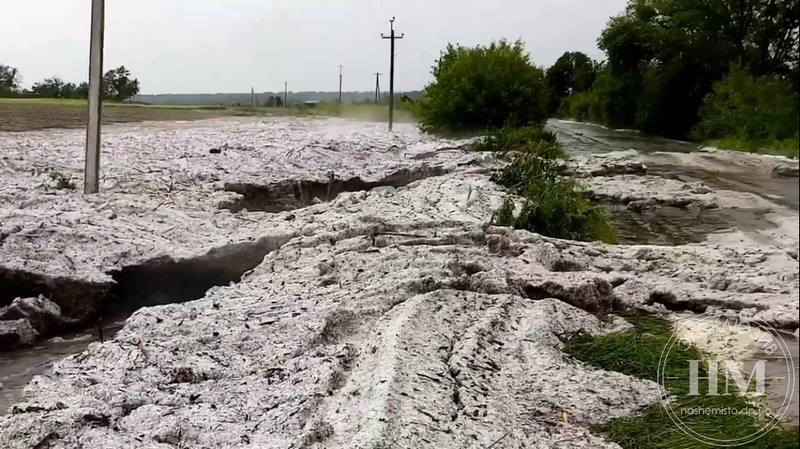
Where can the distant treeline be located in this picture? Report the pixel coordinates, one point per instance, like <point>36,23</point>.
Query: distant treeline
<point>726,71</point>
<point>117,85</point>
<point>264,98</point>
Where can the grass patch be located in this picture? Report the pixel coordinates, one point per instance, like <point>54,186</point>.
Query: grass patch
<point>552,205</point>
<point>786,147</point>
<point>637,353</point>
<point>525,139</point>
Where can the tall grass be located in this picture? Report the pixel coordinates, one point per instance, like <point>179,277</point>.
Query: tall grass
<point>551,204</point>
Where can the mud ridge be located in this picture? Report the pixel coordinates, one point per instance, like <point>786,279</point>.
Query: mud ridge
<point>294,194</point>
<point>75,297</point>
<point>167,281</point>
<point>159,281</point>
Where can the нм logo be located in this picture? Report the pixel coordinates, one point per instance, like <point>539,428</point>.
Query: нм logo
<point>732,372</point>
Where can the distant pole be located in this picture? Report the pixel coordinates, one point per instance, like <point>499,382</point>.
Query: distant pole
<point>392,37</point>
<point>340,84</point>
<point>92,169</point>
<point>253,97</point>
<point>377,87</point>
<point>286,94</point>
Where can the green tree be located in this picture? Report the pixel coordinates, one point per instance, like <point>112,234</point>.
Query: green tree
<point>9,80</point>
<point>754,111</point>
<point>118,85</point>
<point>68,90</point>
<point>665,55</point>
<point>48,88</point>
<point>572,73</point>
<point>82,91</point>
<point>481,88</point>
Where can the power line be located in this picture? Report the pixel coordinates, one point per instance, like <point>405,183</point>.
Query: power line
<point>392,37</point>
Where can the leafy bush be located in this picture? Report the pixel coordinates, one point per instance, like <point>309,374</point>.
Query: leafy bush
<point>553,205</point>
<point>526,138</point>
<point>750,113</point>
<point>581,106</point>
<point>484,88</point>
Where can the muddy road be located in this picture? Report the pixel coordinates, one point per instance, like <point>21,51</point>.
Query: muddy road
<point>684,160</point>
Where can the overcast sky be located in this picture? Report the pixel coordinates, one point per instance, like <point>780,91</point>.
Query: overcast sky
<point>198,46</point>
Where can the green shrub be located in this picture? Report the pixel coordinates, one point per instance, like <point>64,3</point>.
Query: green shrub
<point>526,168</point>
<point>553,205</point>
<point>580,106</point>
<point>483,88</point>
<point>526,138</point>
<point>755,114</point>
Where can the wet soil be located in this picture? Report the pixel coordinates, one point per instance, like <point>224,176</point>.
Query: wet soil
<point>17,116</point>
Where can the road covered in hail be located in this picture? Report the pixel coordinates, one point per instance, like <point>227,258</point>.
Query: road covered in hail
<point>288,282</point>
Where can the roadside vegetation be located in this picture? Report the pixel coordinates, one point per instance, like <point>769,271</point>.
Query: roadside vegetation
<point>719,72</point>
<point>496,91</point>
<point>484,88</point>
<point>637,353</point>
<point>550,204</point>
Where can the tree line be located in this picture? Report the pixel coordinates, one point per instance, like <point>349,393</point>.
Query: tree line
<point>118,85</point>
<point>719,71</point>
<point>691,69</point>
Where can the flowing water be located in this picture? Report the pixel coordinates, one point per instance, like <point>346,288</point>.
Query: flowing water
<point>581,138</point>
<point>17,368</point>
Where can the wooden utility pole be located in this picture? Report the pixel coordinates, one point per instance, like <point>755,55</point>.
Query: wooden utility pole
<point>392,37</point>
<point>92,168</point>
<point>340,84</point>
<point>377,87</point>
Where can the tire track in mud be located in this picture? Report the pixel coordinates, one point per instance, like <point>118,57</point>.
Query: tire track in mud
<point>447,369</point>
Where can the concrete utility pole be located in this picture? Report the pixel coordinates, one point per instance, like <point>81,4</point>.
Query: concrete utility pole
<point>92,168</point>
<point>377,87</point>
<point>286,94</point>
<point>340,84</point>
<point>392,37</point>
<point>253,97</point>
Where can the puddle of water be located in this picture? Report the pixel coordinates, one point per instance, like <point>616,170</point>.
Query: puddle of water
<point>672,226</point>
<point>17,368</point>
<point>782,191</point>
<point>778,378</point>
